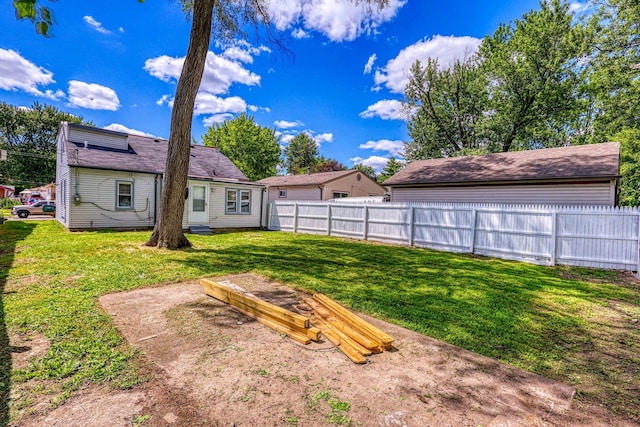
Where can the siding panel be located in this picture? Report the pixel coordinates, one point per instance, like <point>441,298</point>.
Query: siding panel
<point>556,194</point>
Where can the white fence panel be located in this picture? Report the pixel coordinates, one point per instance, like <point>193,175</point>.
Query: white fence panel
<point>597,238</point>
<point>524,236</point>
<point>389,224</point>
<point>282,216</point>
<point>446,229</point>
<point>348,221</point>
<point>312,218</point>
<point>602,237</point>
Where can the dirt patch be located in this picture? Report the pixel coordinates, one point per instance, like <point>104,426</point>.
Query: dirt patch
<point>214,366</point>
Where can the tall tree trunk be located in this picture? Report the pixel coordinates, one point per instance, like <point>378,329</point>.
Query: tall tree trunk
<point>168,230</point>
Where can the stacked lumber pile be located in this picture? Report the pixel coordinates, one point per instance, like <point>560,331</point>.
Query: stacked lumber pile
<point>297,327</point>
<point>353,335</point>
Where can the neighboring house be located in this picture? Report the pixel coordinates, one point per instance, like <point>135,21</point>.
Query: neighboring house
<point>110,179</point>
<point>45,192</point>
<point>322,186</point>
<point>575,175</point>
<point>6,191</point>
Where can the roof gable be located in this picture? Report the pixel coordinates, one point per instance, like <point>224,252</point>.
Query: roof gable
<point>145,154</point>
<point>306,179</point>
<point>573,162</point>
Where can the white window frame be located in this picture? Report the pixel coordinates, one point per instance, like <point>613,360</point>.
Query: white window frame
<point>340,194</point>
<point>282,194</point>
<point>118,205</point>
<point>239,202</point>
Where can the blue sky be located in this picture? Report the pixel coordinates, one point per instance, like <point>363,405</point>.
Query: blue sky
<point>116,63</point>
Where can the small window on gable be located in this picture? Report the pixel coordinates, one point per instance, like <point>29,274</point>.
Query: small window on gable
<point>282,194</point>
<point>238,202</point>
<point>124,195</point>
<point>339,195</point>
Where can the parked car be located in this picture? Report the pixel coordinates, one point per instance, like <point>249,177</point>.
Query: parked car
<point>42,207</point>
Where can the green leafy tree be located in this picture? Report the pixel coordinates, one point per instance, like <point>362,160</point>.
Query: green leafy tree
<point>254,149</point>
<point>301,155</point>
<point>393,166</point>
<point>324,164</point>
<point>29,137</point>
<point>629,167</point>
<point>533,69</point>
<point>448,106</point>
<point>220,19</point>
<point>613,78</point>
<point>367,170</point>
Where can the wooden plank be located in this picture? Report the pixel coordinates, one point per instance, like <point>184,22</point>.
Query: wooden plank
<point>356,322</point>
<point>228,295</point>
<point>312,333</point>
<point>370,344</point>
<point>278,327</point>
<point>345,338</point>
<point>332,336</point>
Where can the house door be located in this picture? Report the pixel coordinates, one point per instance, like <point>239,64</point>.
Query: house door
<point>198,202</point>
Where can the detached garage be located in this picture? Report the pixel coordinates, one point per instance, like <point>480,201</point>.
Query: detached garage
<point>575,175</point>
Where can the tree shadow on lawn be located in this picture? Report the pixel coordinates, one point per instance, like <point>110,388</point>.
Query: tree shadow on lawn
<point>11,233</point>
<point>521,314</point>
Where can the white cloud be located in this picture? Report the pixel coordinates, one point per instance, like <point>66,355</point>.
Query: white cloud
<point>283,124</point>
<point>97,25</point>
<point>338,20</point>
<point>376,162</point>
<point>219,74</point>
<point>369,65</point>
<point>285,138</point>
<point>207,103</point>
<point>323,137</point>
<point>299,33</point>
<point>446,49</point>
<point>165,99</point>
<point>387,109</point>
<point>217,118</point>
<point>92,96</point>
<point>122,128</point>
<point>20,74</point>
<point>241,55</point>
<point>394,148</point>
<point>577,7</point>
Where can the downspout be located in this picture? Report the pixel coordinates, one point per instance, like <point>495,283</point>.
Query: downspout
<point>262,205</point>
<point>321,187</point>
<point>155,200</point>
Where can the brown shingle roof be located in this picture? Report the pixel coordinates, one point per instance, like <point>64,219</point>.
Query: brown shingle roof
<point>149,155</point>
<point>574,162</point>
<point>310,179</point>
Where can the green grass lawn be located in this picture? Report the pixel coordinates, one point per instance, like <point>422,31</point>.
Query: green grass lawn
<point>579,330</point>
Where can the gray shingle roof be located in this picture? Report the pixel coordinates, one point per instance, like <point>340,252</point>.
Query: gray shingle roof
<point>310,179</point>
<point>574,162</point>
<point>149,155</point>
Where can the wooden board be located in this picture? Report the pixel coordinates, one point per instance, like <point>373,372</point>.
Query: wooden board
<point>231,296</point>
<point>355,322</point>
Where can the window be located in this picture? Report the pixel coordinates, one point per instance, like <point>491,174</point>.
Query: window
<point>339,195</point>
<point>124,195</point>
<point>238,201</point>
<point>282,194</point>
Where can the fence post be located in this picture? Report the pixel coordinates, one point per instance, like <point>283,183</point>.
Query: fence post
<point>328,219</point>
<point>638,262</point>
<point>269,215</point>
<point>365,225</point>
<point>295,217</point>
<point>412,224</point>
<point>554,236</point>
<point>474,215</point>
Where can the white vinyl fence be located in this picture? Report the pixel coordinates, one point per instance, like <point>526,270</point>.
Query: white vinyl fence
<point>588,236</point>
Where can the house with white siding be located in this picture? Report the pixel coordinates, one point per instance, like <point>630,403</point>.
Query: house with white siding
<point>108,179</point>
<point>574,175</point>
<point>322,186</point>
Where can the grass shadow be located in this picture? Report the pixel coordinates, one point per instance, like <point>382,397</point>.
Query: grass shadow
<point>11,233</point>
